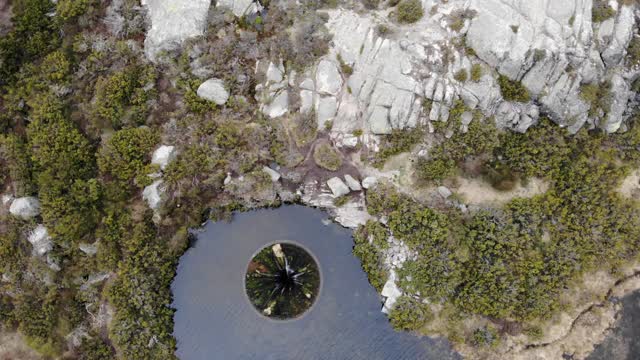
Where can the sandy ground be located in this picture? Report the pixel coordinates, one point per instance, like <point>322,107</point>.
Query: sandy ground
<point>12,347</point>
<point>478,192</point>
<point>630,186</point>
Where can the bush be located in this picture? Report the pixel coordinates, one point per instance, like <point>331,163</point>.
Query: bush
<point>601,11</point>
<point>94,348</point>
<point>485,336</point>
<point>434,170</point>
<point>409,11</point>
<point>399,141</point>
<point>121,99</point>
<point>476,72</point>
<point>68,9</point>
<point>371,258</point>
<point>633,51</point>
<point>327,157</point>
<point>304,128</point>
<point>461,75</point>
<point>598,96</point>
<point>513,90</point>
<point>127,152</point>
<point>34,34</point>
<point>409,314</point>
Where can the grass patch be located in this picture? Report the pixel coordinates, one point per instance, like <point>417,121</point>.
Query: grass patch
<point>327,157</point>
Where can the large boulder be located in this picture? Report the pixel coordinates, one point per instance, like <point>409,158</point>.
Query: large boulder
<point>25,207</point>
<point>338,187</point>
<point>172,22</point>
<point>213,90</point>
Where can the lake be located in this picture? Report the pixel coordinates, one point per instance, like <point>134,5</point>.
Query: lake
<point>215,320</point>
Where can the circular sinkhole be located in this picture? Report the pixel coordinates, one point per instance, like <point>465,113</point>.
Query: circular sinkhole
<point>282,281</point>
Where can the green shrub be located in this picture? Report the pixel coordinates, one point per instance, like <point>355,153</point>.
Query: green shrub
<point>485,336</point>
<point>347,70</point>
<point>34,34</point>
<point>68,9</point>
<point>513,90</point>
<point>121,99</point>
<point>598,96</point>
<point>399,141</point>
<point>476,72</point>
<point>304,128</point>
<point>94,348</point>
<point>127,152</point>
<point>409,11</point>
<point>370,254</point>
<point>601,11</point>
<point>461,75</point>
<point>633,51</point>
<point>327,157</point>
<point>434,170</point>
<point>15,157</point>
<point>409,314</point>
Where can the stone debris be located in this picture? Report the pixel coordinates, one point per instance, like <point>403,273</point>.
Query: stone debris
<point>352,214</point>
<point>352,183</point>
<point>391,292</point>
<point>240,7</point>
<point>154,194</point>
<point>40,240</point>
<point>6,199</point>
<point>444,192</point>
<point>89,249</point>
<point>164,155</point>
<point>25,207</point>
<point>369,182</point>
<point>274,175</point>
<point>213,90</point>
<point>338,187</point>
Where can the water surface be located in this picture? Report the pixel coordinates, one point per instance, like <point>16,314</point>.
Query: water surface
<point>214,319</point>
<point>624,341</point>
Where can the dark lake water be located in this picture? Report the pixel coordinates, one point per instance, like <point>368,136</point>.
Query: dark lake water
<point>624,342</point>
<point>214,319</point>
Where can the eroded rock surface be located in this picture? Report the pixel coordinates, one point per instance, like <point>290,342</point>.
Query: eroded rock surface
<point>551,47</point>
<point>172,22</point>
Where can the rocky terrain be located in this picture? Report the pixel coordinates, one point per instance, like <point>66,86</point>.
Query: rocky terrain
<point>261,103</point>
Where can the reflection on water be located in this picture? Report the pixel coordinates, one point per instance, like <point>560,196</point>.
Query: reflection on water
<point>624,341</point>
<point>214,319</point>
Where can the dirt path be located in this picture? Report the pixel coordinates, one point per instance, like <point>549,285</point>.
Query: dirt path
<point>630,186</point>
<point>12,347</point>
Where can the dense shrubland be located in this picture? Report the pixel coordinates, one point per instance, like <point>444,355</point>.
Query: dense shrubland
<point>512,263</point>
<point>81,112</point>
